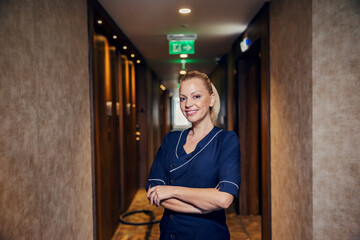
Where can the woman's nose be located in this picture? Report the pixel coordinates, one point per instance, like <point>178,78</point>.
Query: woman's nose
<point>188,103</point>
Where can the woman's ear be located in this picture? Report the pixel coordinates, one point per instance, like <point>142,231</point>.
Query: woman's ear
<point>212,100</point>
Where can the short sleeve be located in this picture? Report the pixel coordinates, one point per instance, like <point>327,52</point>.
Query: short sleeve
<point>229,164</point>
<point>157,174</point>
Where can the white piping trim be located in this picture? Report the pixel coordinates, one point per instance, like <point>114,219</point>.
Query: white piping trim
<point>227,182</point>
<point>159,180</point>
<point>196,153</point>
<point>178,143</point>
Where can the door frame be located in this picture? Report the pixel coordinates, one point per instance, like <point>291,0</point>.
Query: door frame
<point>258,30</point>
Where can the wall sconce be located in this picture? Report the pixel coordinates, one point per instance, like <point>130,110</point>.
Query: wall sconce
<point>162,87</point>
<point>245,44</point>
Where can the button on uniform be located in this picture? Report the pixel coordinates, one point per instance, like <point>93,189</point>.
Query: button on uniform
<point>172,235</point>
<point>171,216</point>
<point>172,181</point>
<point>172,165</point>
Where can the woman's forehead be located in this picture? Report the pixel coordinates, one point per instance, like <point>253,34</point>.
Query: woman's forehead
<point>193,84</point>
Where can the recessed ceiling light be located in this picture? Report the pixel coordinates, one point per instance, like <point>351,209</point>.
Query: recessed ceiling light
<point>182,72</point>
<point>184,55</point>
<point>114,37</point>
<point>99,21</point>
<point>132,55</point>
<point>185,10</point>
<point>138,61</point>
<point>124,47</point>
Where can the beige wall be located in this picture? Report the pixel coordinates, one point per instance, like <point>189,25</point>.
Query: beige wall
<point>315,119</point>
<point>291,119</point>
<point>45,150</point>
<point>336,119</point>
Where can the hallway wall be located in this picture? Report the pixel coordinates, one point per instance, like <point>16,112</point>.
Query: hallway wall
<point>291,119</point>
<point>45,148</point>
<point>315,116</point>
<point>336,119</point>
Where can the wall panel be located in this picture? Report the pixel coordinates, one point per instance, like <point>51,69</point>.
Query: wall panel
<point>336,119</point>
<point>45,149</point>
<point>291,119</point>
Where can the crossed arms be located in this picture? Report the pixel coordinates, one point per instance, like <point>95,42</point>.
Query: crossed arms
<point>189,200</point>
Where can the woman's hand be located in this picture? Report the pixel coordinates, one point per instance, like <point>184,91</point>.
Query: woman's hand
<point>158,193</point>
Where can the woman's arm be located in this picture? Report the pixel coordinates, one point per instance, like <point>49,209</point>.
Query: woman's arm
<point>206,199</point>
<point>179,206</point>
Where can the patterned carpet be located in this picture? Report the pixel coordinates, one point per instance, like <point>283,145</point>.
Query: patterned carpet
<point>241,227</point>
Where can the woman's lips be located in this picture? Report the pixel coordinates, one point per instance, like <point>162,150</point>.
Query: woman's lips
<point>191,112</point>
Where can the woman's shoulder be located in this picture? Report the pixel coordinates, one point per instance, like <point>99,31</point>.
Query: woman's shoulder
<point>227,136</point>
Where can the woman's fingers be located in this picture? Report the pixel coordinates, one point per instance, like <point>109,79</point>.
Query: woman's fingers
<point>158,202</point>
<point>153,196</point>
<point>150,191</point>
<point>152,199</point>
<point>156,199</point>
<point>158,193</point>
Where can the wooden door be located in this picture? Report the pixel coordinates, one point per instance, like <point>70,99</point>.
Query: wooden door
<point>129,161</point>
<point>106,163</point>
<point>249,131</point>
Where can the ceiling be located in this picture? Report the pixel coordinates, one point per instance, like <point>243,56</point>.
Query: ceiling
<point>217,23</point>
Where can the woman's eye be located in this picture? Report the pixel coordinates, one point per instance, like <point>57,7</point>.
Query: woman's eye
<point>197,96</point>
<point>182,99</point>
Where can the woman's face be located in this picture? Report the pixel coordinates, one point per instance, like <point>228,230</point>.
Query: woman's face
<point>195,100</point>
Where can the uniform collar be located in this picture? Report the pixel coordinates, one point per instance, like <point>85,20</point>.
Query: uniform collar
<point>183,136</point>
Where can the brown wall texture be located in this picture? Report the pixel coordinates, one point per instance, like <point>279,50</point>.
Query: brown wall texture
<point>291,119</point>
<point>45,149</point>
<point>336,119</point>
<point>315,119</point>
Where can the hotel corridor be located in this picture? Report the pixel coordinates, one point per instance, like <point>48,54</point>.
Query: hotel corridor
<point>89,89</point>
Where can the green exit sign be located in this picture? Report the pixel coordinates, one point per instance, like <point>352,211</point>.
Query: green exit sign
<point>182,46</point>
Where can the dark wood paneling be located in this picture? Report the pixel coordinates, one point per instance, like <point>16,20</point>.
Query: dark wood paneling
<point>129,166</point>
<point>265,124</point>
<point>164,112</point>
<point>249,131</point>
<point>142,112</point>
<point>106,170</point>
<point>156,118</point>
<point>120,129</point>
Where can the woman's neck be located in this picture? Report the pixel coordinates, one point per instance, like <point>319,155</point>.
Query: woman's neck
<point>202,128</point>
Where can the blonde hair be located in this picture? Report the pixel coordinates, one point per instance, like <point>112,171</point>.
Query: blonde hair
<point>214,110</point>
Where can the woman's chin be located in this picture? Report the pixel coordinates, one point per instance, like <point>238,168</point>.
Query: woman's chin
<point>192,117</point>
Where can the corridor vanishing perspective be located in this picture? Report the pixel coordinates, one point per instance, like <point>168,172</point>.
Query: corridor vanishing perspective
<point>90,88</point>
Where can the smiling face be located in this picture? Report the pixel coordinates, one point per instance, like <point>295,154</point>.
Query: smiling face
<point>195,100</point>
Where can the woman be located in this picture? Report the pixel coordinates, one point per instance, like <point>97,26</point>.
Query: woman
<point>196,172</point>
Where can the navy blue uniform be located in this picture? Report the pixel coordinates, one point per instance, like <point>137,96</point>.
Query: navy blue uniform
<point>215,163</point>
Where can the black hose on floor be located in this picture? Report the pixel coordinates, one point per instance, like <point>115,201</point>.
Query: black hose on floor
<point>147,212</point>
